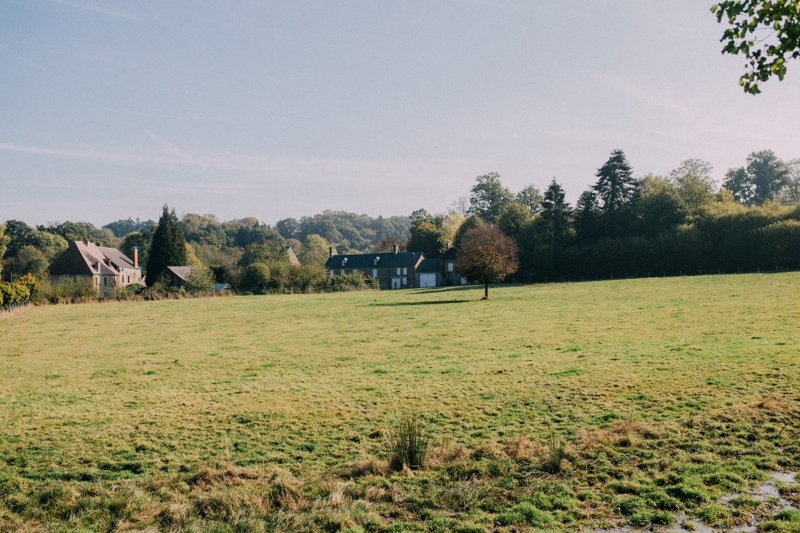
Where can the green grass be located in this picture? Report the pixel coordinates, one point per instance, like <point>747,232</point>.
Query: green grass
<point>672,391</point>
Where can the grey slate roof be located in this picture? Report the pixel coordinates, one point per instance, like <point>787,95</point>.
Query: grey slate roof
<point>451,254</point>
<point>182,272</point>
<point>429,266</point>
<point>386,260</point>
<point>117,257</point>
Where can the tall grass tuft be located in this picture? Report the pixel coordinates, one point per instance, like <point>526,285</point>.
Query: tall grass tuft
<point>551,455</point>
<point>408,443</point>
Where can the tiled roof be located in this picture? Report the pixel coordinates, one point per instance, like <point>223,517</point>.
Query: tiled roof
<point>87,259</point>
<point>385,260</point>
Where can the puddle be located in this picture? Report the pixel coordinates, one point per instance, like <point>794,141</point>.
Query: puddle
<point>767,491</point>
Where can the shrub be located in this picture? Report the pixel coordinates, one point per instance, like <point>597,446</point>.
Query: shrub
<point>256,278</point>
<point>68,290</point>
<point>408,443</point>
<point>200,279</point>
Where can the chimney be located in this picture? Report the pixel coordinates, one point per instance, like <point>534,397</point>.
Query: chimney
<point>135,257</point>
<point>331,250</point>
<point>448,246</point>
<point>86,242</point>
<point>396,249</point>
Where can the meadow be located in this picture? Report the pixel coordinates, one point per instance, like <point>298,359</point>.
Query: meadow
<point>271,413</point>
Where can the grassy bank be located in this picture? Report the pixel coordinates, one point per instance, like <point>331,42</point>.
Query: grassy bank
<point>271,412</point>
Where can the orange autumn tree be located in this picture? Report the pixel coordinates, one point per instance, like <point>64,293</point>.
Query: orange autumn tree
<point>487,255</point>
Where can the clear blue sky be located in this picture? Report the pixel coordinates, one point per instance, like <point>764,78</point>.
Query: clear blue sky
<point>110,108</point>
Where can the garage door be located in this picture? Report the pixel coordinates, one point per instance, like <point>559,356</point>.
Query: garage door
<point>427,280</point>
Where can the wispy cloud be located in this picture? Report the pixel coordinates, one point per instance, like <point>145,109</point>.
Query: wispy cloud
<point>95,8</point>
<point>171,148</point>
<point>254,168</point>
<point>22,58</point>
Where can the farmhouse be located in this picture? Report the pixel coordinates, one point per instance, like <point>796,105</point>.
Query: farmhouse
<point>393,270</point>
<point>108,268</point>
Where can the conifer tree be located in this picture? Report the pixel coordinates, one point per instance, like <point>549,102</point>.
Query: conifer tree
<point>168,247</point>
<point>615,185</point>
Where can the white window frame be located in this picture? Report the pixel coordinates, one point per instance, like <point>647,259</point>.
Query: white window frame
<point>405,280</point>
<point>405,272</point>
<point>398,271</point>
<point>449,267</point>
<point>331,273</point>
<point>374,272</point>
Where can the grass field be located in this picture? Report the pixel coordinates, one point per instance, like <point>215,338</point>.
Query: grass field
<point>271,412</point>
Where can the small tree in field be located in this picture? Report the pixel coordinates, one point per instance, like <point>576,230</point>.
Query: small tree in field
<point>487,254</point>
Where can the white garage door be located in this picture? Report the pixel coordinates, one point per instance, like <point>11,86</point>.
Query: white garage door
<point>427,280</point>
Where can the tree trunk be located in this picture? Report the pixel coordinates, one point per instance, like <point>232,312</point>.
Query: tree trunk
<point>486,288</point>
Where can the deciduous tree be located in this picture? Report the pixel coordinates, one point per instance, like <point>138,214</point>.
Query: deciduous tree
<point>790,195</point>
<point>200,279</point>
<point>489,198</point>
<point>266,253</point>
<point>514,219</point>
<point>427,238</point>
<point>694,183</point>
<point>3,240</point>
<point>531,198</point>
<point>760,180</point>
<point>767,32</point>
<point>487,254</point>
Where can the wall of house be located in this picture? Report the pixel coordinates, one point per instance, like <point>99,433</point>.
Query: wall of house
<point>385,276</point>
<point>130,276</point>
<point>439,280</point>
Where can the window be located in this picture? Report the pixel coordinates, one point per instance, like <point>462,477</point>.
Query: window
<point>105,282</point>
<point>374,272</point>
<point>331,273</point>
<point>405,271</point>
<point>398,271</point>
<point>449,267</point>
<point>355,271</point>
<point>405,280</point>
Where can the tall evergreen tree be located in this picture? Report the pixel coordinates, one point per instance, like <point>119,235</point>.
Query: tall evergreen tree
<point>587,218</point>
<point>556,213</point>
<point>615,185</point>
<point>168,247</point>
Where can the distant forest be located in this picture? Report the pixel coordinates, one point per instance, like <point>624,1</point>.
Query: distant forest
<point>622,225</point>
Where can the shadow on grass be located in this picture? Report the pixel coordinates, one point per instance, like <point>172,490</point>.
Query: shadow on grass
<point>439,290</point>
<point>437,302</point>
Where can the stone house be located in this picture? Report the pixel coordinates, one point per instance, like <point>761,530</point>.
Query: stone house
<point>108,268</point>
<point>429,273</point>
<point>449,271</point>
<point>393,270</point>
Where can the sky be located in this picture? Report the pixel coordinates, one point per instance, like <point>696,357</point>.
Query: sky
<point>109,109</point>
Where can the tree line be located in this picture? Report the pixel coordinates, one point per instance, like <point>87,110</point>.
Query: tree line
<point>624,225</point>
